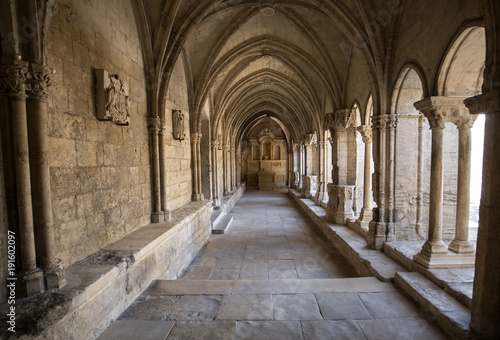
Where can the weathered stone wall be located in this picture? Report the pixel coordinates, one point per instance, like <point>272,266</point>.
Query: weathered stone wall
<point>100,173</point>
<point>450,183</point>
<point>178,152</point>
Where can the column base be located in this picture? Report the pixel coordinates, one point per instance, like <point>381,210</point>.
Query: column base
<point>462,247</point>
<point>55,277</point>
<point>157,217</point>
<point>167,215</point>
<point>365,217</point>
<point>339,207</point>
<point>216,202</point>
<point>436,256</point>
<point>376,235</point>
<point>28,284</point>
<point>320,197</point>
<point>197,197</point>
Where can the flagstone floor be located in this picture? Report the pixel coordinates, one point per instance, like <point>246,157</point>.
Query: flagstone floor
<point>271,276</point>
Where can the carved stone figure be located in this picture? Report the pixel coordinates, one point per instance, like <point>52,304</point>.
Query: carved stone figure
<point>178,124</point>
<point>112,98</point>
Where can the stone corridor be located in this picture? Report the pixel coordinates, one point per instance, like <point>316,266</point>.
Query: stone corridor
<point>271,276</point>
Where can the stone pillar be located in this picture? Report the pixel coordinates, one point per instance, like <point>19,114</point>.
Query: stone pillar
<point>439,111</point>
<point>308,183</point>
<point>301,167</point>
<point>167,216</point>
<point>12,81</point>
<point>215,169</point>
<point>238,167</point>
<point>321,192</point>
<point>461,243</point>
<point>420,180</point>
<point>154,125</point>
<point>486,295</point>
<point>226,169</point>
<point>233,169</point>
<point>54,274</point>
<point>196,166</point>
<point>340,195</point>
<point>378,227</point>
<point>366,212</point>
<point>391,125</point>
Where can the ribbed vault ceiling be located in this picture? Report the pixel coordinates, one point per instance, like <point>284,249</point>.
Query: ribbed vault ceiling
<point>282,59</point>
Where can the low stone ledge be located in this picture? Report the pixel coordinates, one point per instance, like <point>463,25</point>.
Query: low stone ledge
<point>457,282</point>
<point>366,261</point>
<point>101,286</point>
<point>227,204</point>
<point>453,317</point>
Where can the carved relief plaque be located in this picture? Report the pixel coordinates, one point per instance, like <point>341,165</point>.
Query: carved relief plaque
<point>178,124</point>
<point>112,98</point>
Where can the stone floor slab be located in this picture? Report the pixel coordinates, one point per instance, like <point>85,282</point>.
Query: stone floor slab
<point>137,329</point>
<point>270,330</point>
<point>400,328</point>
<point>198,330</point>
<point>328,329</point>
<point>296,307</point>
<point>195,307</point>
<point>388,305</point>
<point>246,307</point>
<point>342,306</point>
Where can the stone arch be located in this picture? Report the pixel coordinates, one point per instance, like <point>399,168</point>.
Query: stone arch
<point>411,155</point>
<point>461,72</point>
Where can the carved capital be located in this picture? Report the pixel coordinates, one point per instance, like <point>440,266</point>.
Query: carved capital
<point>214,144</point>
<point>484,103</point>
<point>195,137</point>
<point>366,133</point>
<point>441,110</point>
<point>340,120</point>
<point>13,77</point>
<point>308,139</point>
<point>39,82</point>
<point>391,122</point>
<point>154,125</point>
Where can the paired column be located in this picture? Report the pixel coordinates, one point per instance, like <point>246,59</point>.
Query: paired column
<point>308,180</point>
<point>215,170</point>
<point>366,212</point>
<point>12,81</point>
<point>321,193</point>
<point>154,126</point>
<point>54,274</point>
<point>434,253</point>
<point>196,166</point>
<point>163,171</point>
<point>340,194</point>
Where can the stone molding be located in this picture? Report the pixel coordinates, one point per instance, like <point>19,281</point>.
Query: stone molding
<point>441,110</point>
<point>154,125</point>
<point>388,122</point>
<point>227,147</point>
<point>484,103</point>
<point>366,133</point>
<point>13,77</point>
<point>215,144</point>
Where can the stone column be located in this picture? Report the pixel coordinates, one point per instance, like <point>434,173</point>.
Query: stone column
<point>366,212</point>
<point>321,193</point>
<point>167,216</point>
<point>215,168</point>
<point>233,169</point>
<point>340,195</point>
<point>308,180</point>
<point>391,125</point>
<point>461,243</point>
<point>53,269</point>
<point>196,166</point>
<point>238,167</point>
<point>438,110</point>
<point>420,181</point>
<point>226,169</point>
<point>12,81</point>
<point>486,295</point>
<point>154,126</point>
<point>301,167</point>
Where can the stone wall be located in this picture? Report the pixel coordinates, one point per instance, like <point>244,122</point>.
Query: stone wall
<point>100,173</point>
<point>178,152</point>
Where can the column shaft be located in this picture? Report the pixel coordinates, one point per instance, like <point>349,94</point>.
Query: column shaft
<point>157,215</point>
